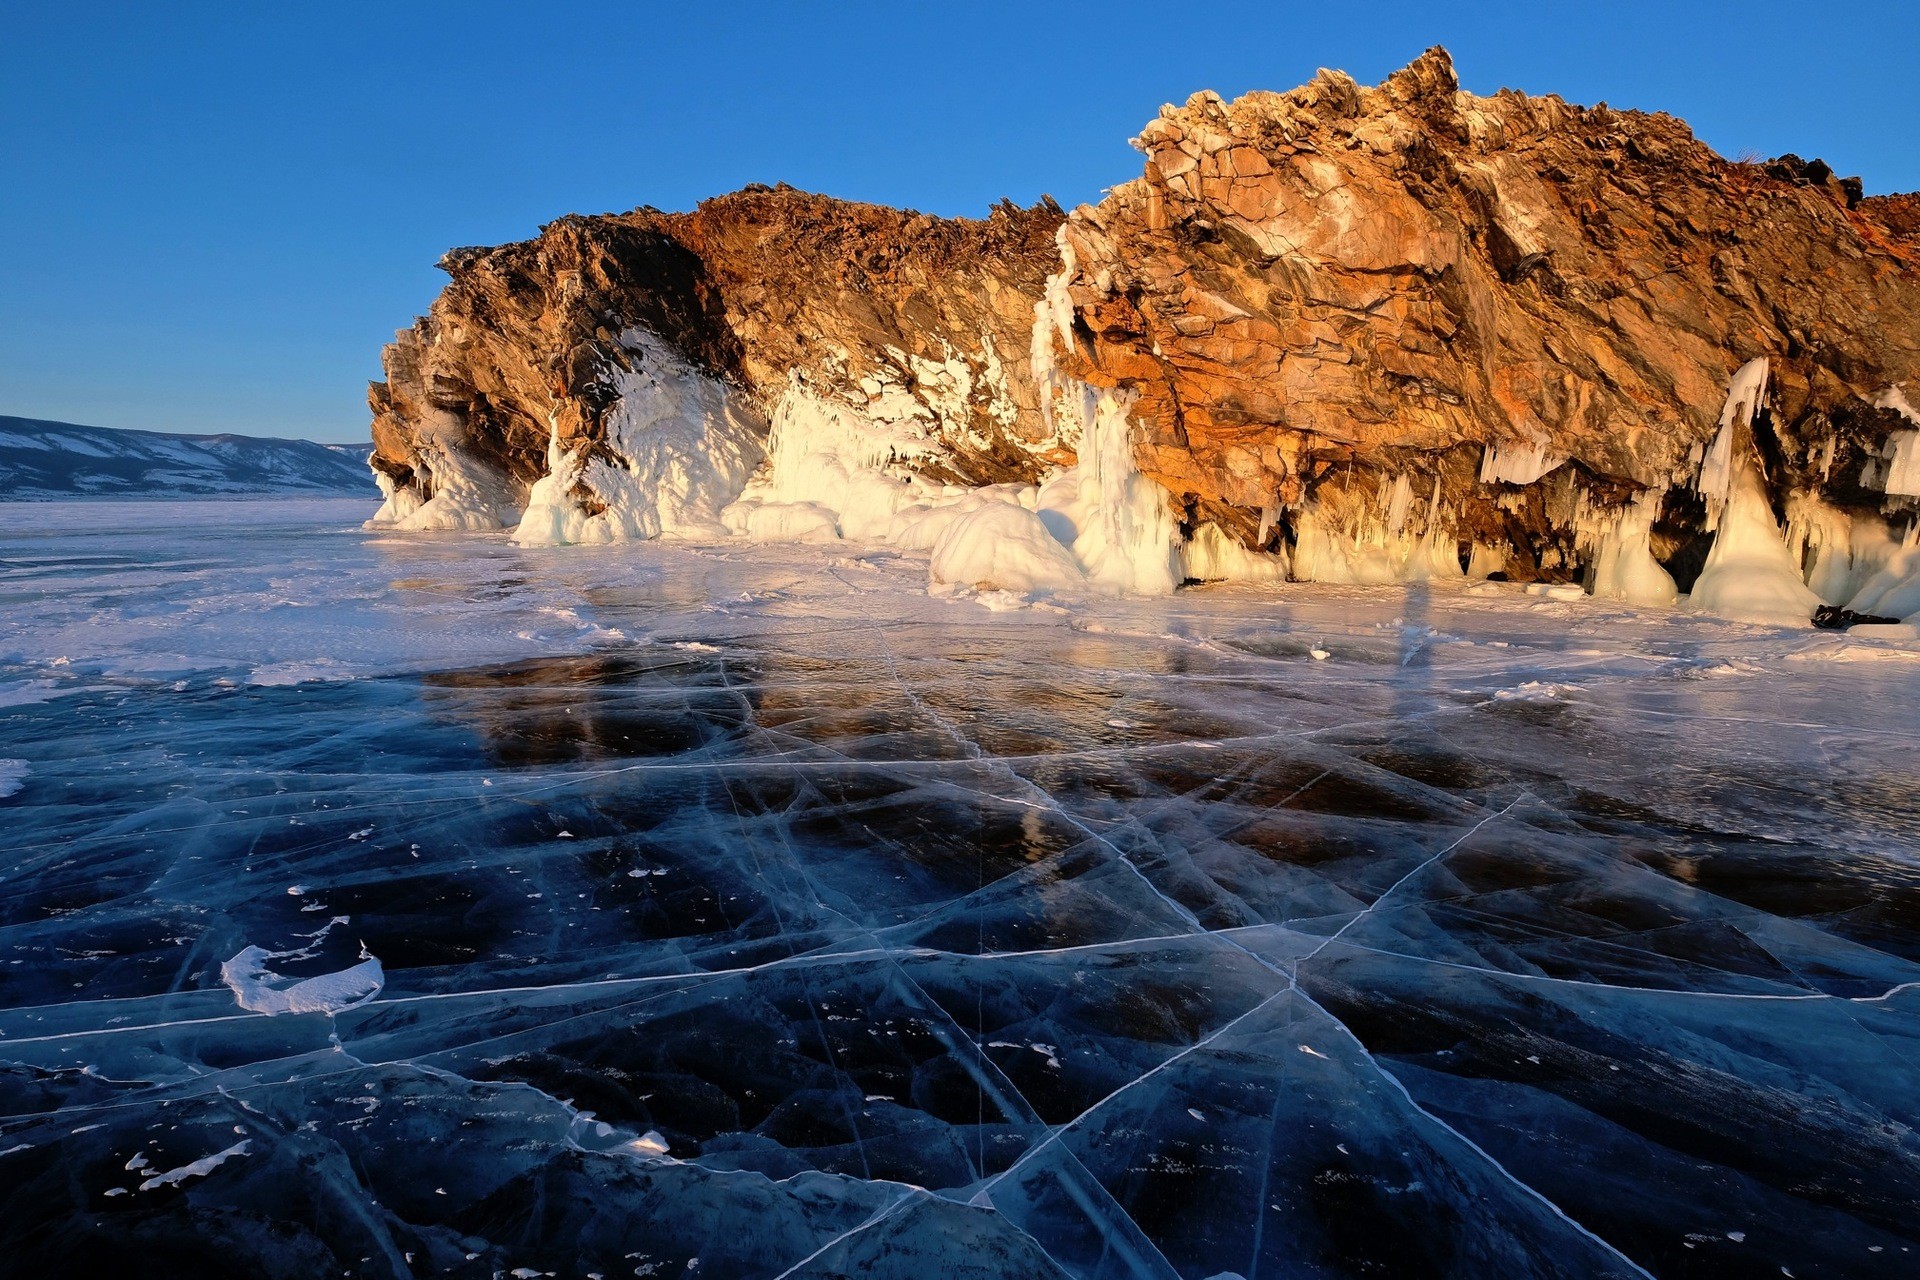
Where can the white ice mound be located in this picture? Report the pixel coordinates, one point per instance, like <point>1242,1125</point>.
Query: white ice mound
<point>758,521</point>
<point>1750,576</point>
<point>1626,569</point>
<point>680,445</point>
<point>261,990</point>
<point>468,494</point>
<point>1005,547</point>
<point>1892,592</point>
<point>199,1168</point>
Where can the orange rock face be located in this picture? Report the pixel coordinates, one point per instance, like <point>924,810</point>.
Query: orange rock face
<point>1342,275</point>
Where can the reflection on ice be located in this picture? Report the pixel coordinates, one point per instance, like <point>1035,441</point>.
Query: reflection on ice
<point>753,911</point>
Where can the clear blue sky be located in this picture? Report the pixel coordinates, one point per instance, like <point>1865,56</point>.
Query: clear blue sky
<point>212,215</point>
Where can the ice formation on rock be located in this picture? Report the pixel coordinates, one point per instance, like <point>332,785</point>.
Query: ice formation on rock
<point>1211,556</point>
<point>1125,536</point>
<point>465,491</point>
<point>1896,472</point>
<point>1624,567</point>
<point>1750,576</point>
<point>1893,590</point>
<point>1516,463</point>
<point>1385,541</point>
<point>829,455</point>
<point>679,447</point>
<point>1344,325</point>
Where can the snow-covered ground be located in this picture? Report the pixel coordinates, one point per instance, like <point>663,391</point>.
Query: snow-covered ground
<point>433,904</point>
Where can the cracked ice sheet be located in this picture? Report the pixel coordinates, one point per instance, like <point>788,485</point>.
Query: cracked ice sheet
<point>1509,938</point>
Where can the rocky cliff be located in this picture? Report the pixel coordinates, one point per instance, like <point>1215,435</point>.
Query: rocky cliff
<point>1376,333</point>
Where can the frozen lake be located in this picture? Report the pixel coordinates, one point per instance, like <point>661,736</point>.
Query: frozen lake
<point>715,911</point>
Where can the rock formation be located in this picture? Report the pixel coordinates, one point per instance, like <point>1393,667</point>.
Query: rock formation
<point>1387,332</point>
<point>912,320</point>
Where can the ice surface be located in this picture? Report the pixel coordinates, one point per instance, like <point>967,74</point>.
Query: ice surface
<point>743,904</point>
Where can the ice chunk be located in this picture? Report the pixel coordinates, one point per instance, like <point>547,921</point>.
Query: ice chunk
<point>649,1143</point>
<point>260,989</point>
<point>199,1168</point>
<point>13,776</point>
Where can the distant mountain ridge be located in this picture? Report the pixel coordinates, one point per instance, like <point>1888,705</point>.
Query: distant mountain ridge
<point>44,460</point>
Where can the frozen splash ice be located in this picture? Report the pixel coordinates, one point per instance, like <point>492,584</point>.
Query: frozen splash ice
<point>1624,567</point>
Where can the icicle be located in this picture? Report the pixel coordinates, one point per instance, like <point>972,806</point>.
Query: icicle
<point>1745,396</point>
<point>1514,463</point>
